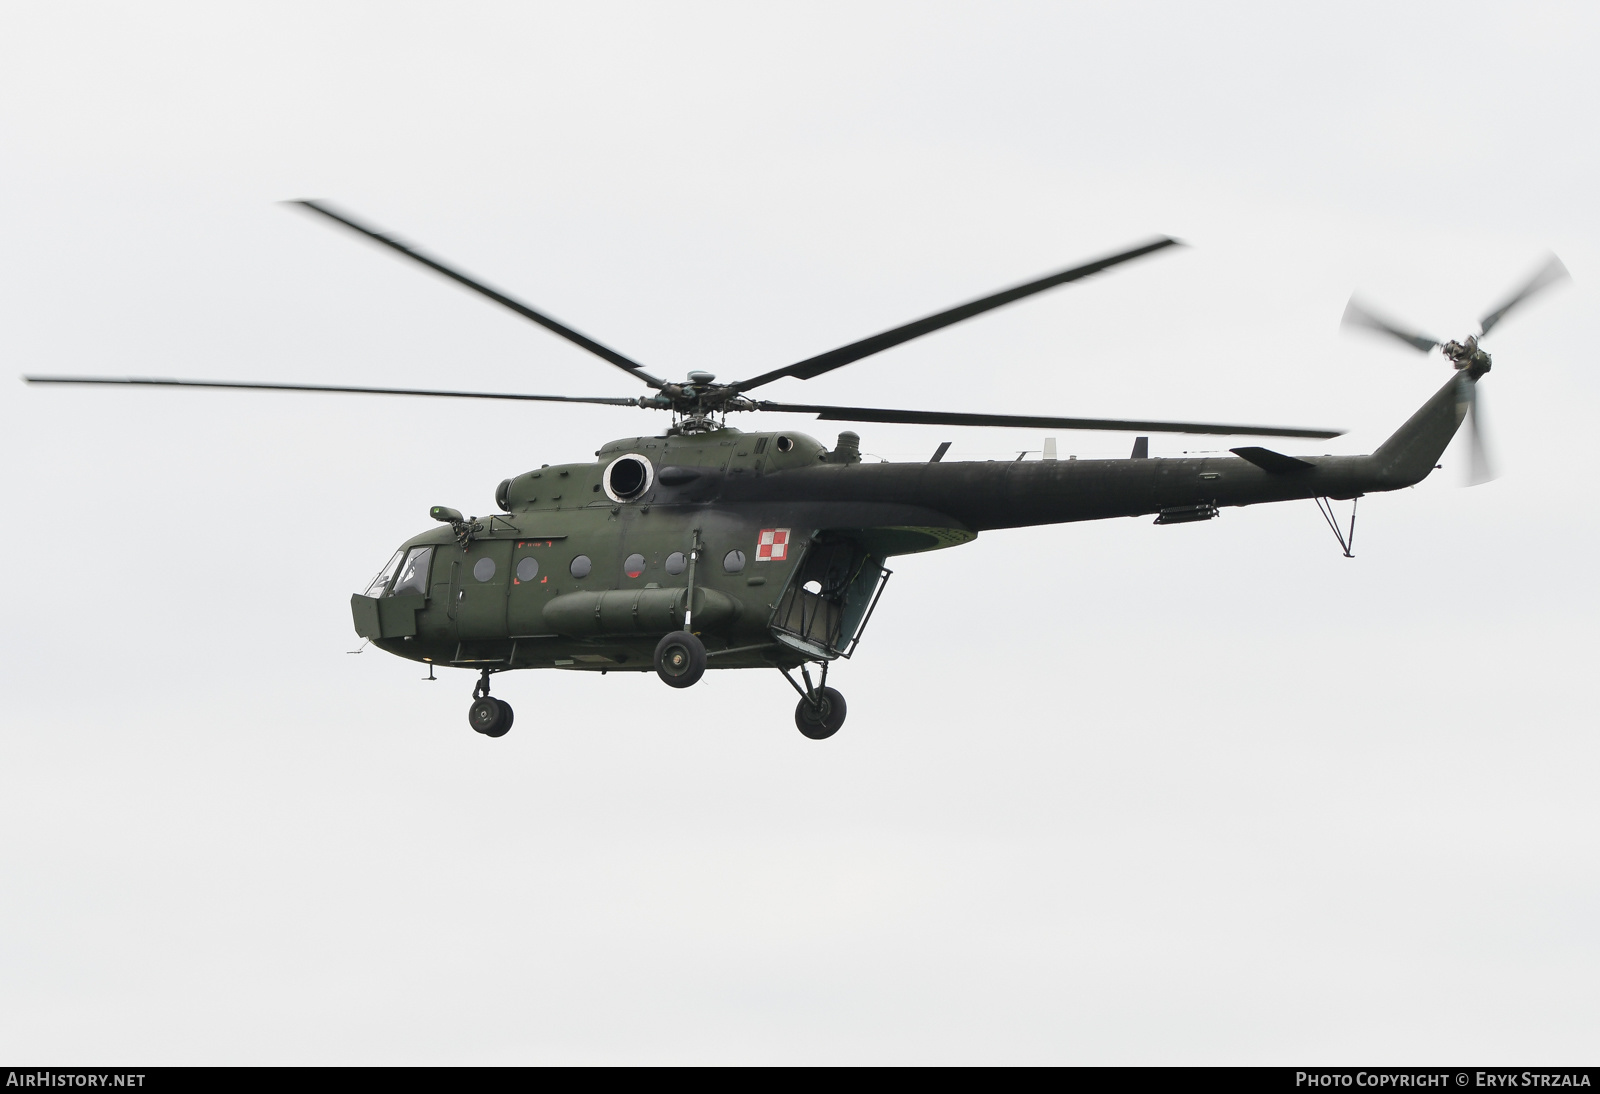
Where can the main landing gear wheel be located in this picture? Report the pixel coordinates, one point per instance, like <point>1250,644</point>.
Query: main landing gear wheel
<point>490,716</point>
<point>680,659</point>
<point>821,719</point>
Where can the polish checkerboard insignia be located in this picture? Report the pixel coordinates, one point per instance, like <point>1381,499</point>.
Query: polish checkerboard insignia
<point>772,545</point>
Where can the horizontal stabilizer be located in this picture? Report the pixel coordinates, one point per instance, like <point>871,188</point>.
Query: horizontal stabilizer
<point>1275,463</point>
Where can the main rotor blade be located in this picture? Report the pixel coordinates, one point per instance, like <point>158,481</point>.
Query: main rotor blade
<point>1546,275</point>
<point>606,353</point>
<point>1357,316</point>
<point>138,381</point>
<point>1480,466</point>
<point>855,351</point>
<point>934,417</point>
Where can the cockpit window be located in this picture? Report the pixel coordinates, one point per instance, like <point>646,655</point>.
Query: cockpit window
<point>414,574</point>
<point>381,582</point>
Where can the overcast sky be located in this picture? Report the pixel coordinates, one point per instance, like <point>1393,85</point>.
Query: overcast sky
<point>1108,793</point>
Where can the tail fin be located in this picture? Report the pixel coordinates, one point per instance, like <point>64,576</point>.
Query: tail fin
<point>1406,458</point>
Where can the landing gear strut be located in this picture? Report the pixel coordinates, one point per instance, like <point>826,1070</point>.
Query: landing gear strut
<point>489,716</point>
<point>821,709</point>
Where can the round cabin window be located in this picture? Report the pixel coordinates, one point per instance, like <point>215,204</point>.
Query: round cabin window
<point>676,563</point>
<point>633,566</point>
<point>580,566</point>
<point>733,561</point>
<point>627,477</point>
<point>483,569</point>
<point>527,568</point>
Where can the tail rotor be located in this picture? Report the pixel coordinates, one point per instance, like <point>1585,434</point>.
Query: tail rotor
<point>1357,316</point>
<point>1465,355</point>
<point>1546,275</point>
<point>1480,468</point>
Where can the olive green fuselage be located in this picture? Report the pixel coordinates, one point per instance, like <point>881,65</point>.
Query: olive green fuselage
<point>756,504</point>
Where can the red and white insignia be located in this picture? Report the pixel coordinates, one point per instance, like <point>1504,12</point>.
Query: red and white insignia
<point>772,545</point>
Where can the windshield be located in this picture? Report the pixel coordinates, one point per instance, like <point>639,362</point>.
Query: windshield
<point>381,582</point>
<point>414,574</point>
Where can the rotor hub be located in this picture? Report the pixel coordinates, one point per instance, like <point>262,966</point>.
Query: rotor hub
<point>1468,357</point>
<point>699,404</point>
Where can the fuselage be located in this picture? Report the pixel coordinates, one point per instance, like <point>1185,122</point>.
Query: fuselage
<point>779,540</point>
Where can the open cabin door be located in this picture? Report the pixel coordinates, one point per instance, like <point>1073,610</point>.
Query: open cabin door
<point>830,596</point>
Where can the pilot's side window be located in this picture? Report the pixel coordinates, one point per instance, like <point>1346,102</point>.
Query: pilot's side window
<point>413,579</point>
<point>381,582</point>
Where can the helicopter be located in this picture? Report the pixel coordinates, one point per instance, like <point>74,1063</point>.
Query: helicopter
<point>705,546</point>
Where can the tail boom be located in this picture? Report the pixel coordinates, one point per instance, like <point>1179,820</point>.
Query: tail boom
<point>993,495</point>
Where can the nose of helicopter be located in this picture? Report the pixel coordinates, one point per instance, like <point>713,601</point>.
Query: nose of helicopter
<point>389,605</point>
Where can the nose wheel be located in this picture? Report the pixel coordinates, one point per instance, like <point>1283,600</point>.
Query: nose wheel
<point>487,715</point>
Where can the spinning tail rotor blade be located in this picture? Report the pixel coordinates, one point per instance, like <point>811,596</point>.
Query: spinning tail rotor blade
<point>866,347</point>
<point>1466,355</point>
<point>1355,315</point>
<point>1480,469</point>
<point>605,353</point>
<point>1551,272</point>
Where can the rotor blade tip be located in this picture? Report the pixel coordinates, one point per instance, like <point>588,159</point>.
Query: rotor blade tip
<point>316,205</point>
<point>313,205</point>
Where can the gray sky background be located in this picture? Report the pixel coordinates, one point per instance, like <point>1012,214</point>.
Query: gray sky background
<point>1108,793</point>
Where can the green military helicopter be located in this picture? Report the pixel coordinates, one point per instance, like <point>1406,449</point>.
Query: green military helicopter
<point>707,547</point>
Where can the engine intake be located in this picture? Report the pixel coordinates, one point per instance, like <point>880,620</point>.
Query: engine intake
<point>627,477</point>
